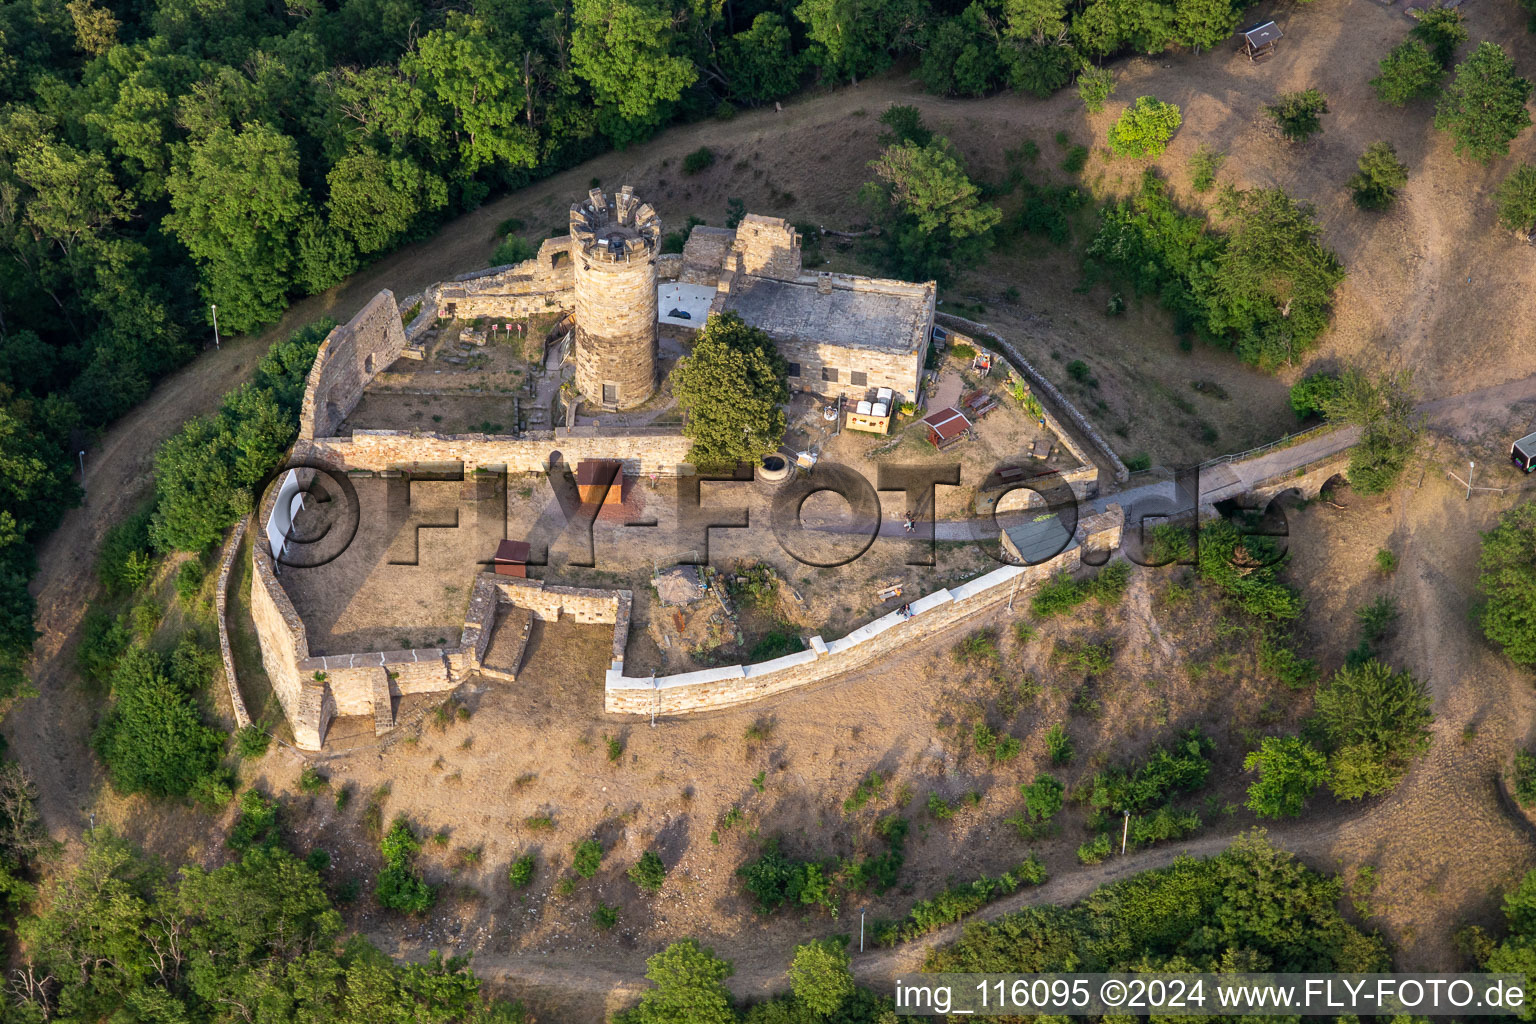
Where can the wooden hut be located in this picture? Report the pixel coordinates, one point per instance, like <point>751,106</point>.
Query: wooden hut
<point>511,558</point>
<point>1259,41</point>
<point>946,426</point>
<point>600,480</point>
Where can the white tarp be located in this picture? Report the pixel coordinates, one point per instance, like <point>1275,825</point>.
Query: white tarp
<point>693,299</point>
<point>289,500</point>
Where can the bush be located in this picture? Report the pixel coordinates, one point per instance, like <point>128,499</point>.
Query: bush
<point>1374,186</point>
<point>699,160</point>
<point>1386,562</point>
<point>251,742</point>
<point>189,580</point>
<point>1516,199</point>
<point>1524,773</point>
<point>124,563</point>
<point>1376,618</point>
<point>1299,114</point>
<point>587,857</point>
<point>939,807</point>
<point>1290,769</point>
<point>1311,394</point>
<point>1391,429</point>
<point>1203,165</point>
<point>871,787</point>
<point>1483,108</point>
<point>513,250</point>
<point>399,887</point>
<point>820,977</point>
<point>1058,745</point>
<point>648,872</point>
<point>1096,849</point>
<point>980,648</point>
<point>1094,86</point>
<point>774,880</point>
<point>1167,771</point>
<point>1440,29</point>
<point>1144,129</point>
<point>520,872</point>
<point>956,901</point>
<point>103,639</point>
<point>1162,825</point>
<point>256,827</point>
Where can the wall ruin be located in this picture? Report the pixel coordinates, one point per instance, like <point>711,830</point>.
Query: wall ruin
<point>348,359</point>
<point>642,450</point>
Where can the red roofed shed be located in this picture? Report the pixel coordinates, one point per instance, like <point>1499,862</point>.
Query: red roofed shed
<point>946,426</point>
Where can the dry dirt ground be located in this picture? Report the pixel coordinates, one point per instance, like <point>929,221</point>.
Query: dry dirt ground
<point>1424,277</point>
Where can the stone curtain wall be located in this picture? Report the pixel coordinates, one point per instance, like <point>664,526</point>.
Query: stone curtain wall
<point>348,359</point>
<point>740,684</point>
<point>221,611</point>
<point>540,285</point>
<point>284,644</point>
<point>642,450</point>
<point>583,604</point>
<point>1052,396</point>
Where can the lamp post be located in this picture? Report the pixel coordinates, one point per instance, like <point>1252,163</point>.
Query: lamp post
<point>1471,468</point>
<point>215,307</point>
<point>82,469</point>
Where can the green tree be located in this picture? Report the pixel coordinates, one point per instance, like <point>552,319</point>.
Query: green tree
<point>1377,720</point>
<point>376,200</point>
<point>1508,583</point>
<point>462,84</point>
<point>733,387</point>
<point>1408,72</point>
<point>854,39</point>
<point>1310,395</point>
<point>649,873</point>
<point>1483,108</point>
<point>1290,769</point>
<point>1274,281</point>
<point>1390,430</point>
<point>152,738</point>
<point>1440,29</point>
<point>761,63</point>
<point>1374,186</point>
<point>623,48</point>
<point>236,204</point>
<point>1516,199</point>
<point>962,57</point>
<point>1299,114</point>
<point>820,977</point>
<point>1144,128</point>
<point>689,988</point>
<point>938,221</point>
<point>1203,24</point>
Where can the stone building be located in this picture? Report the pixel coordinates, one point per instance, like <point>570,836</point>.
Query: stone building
<point>615,247</point>
<point>842,334</point>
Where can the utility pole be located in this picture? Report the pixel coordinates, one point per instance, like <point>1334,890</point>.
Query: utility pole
<point>1125,832</point>
<point>861,928</point>
<point>1471,466</point>
<point>215,307</point>
<point>82,468</point>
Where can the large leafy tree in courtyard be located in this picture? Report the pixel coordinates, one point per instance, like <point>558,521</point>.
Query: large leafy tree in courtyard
<point>733,388</point>
<point>1483,108</point>
<point>936,222</point>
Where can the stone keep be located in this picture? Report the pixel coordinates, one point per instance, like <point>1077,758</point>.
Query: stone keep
<point>614,247</point>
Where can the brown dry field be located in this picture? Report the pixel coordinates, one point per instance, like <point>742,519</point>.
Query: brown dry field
<point>1424,277</point>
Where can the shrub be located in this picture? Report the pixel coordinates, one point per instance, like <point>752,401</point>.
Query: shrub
<point>1096,849</point>
<point>1525,778</point>
<point>1058,745</point>
<point>1376,618</point>
<point>1299,114</point>
<point>605,917</point>
<point>1290,769</point>
<point>587,857</point>
<point>615,748</point>
<point>124,563</point>
<point>1516,199</point>
<point>1094,86</point>
<point>520,872</point>
<point>939,807</point>
<point>1391,429</point>
<point>256,827</point>
<point>1075,160</point>
<point>1145,127</point>
<point>999,749</point>
<point>1374,186</point>
<point>956,901</point>
<point>1138,462</point>
<point>1204,162</point>
<point>1180,767</point>
<point>648,873</point>
<point>1386,562</point>
<point>1161,826</point>
<point>103,639</point>
<point>189,580</point>
<point>251,742</point>
<point>1508,583</point>
<point>820,977</point>
<point>513,250</point>
<point>699,160</point>
<point>871,787</point>
<point>399,886</point>
<point>1441,30</point>
<point>774,880</point>
<point>311,781</point>
<point>980,648</point>
<point>1311,394</point>
<point>906,125</point>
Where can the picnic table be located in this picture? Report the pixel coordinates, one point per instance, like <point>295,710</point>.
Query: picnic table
<point>978,403</point>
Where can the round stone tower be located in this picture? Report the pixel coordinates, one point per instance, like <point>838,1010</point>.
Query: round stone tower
<point>614,249</point>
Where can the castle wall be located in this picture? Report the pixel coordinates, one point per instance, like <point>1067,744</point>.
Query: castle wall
<point>544,284</point>
<point>899,371</point>
<point>348,359</point>
<point>739,684</point>
<point>767,247</point>
<point>642,450</point>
